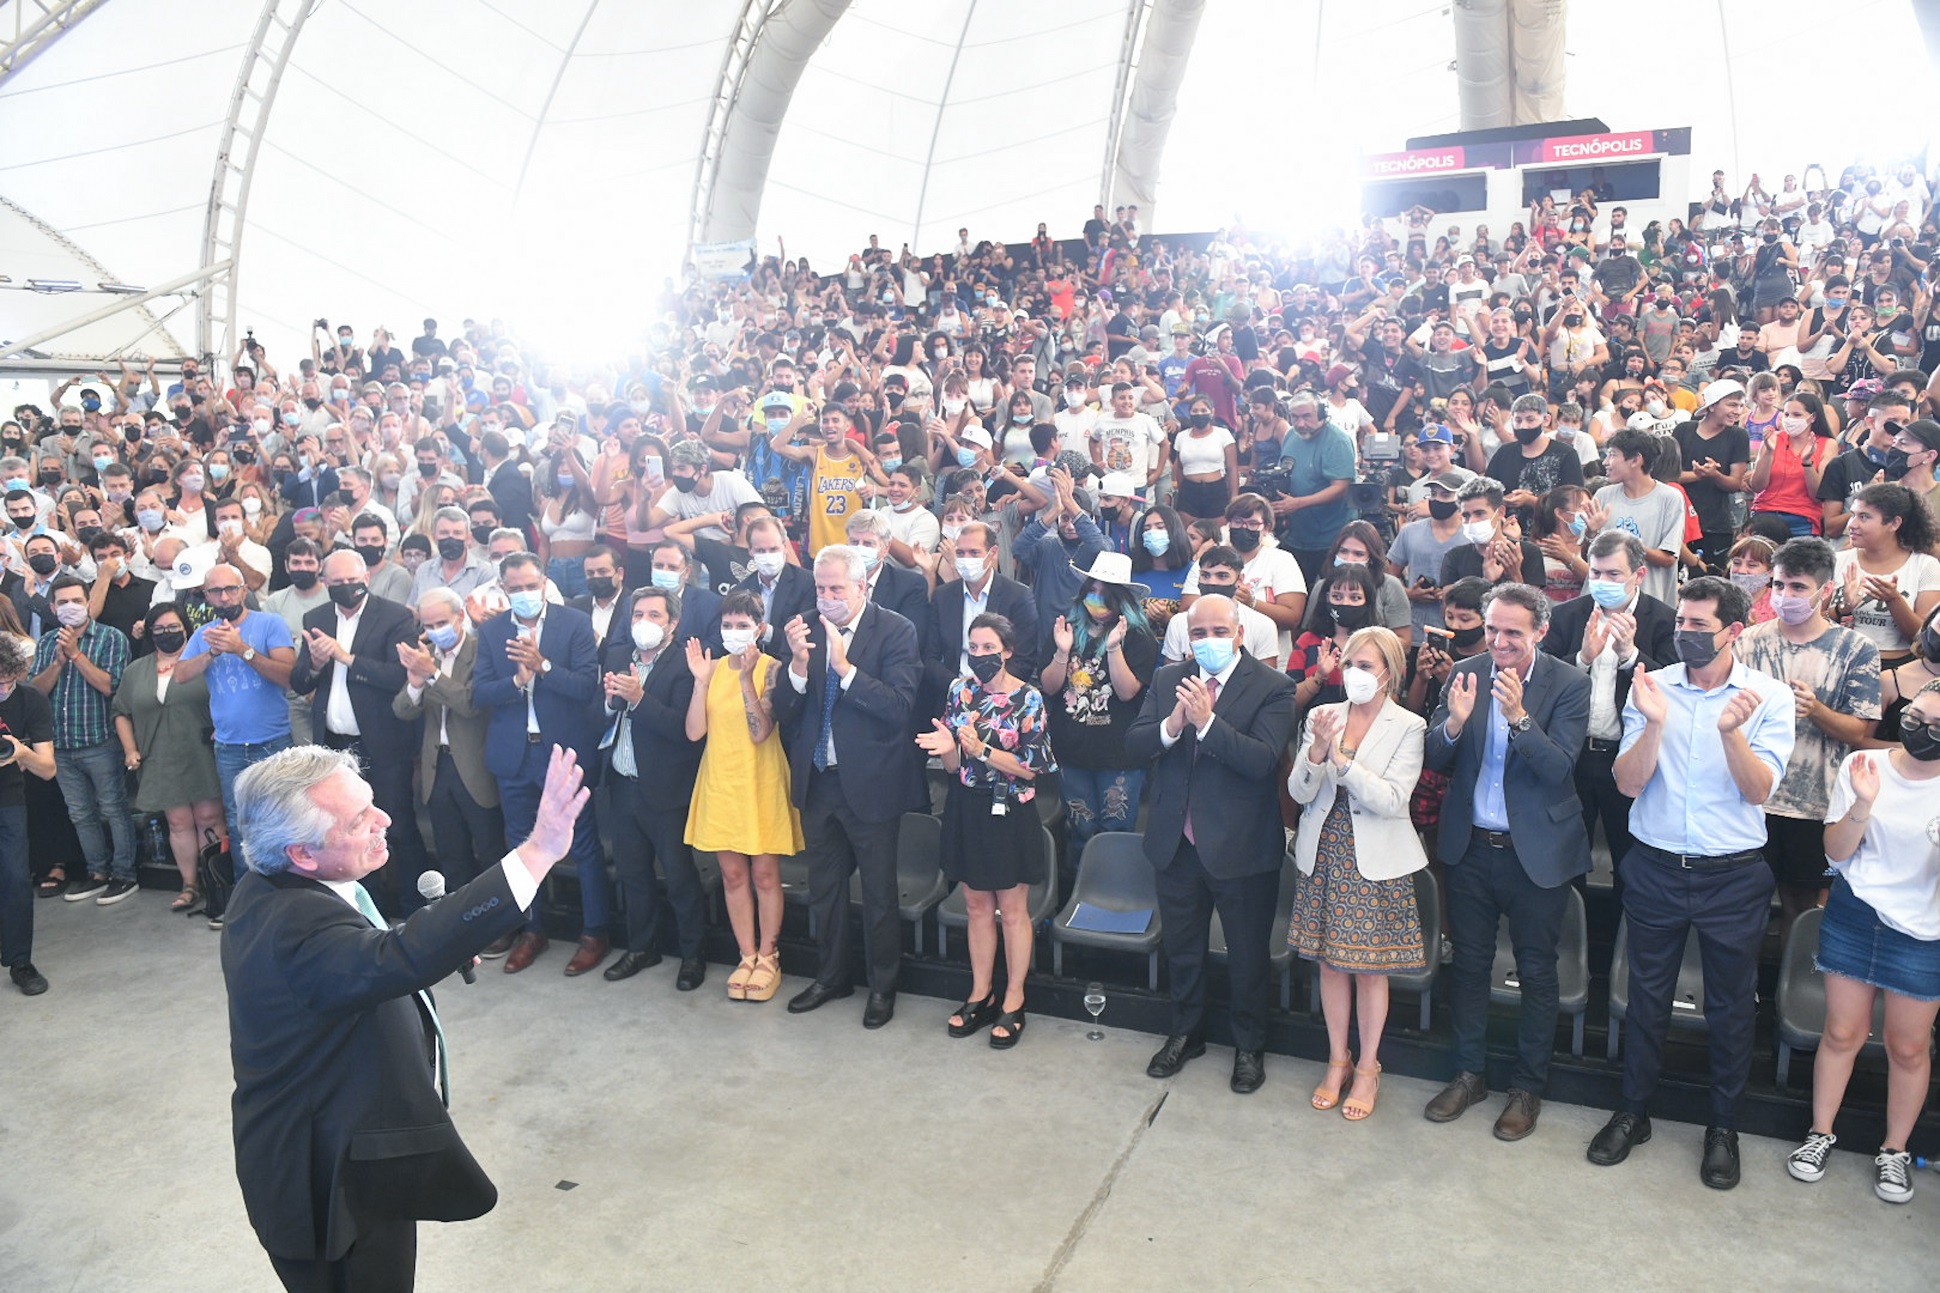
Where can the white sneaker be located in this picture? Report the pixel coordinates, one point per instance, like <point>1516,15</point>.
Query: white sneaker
<point>1807,1162</point>
<point>1894,1183</point>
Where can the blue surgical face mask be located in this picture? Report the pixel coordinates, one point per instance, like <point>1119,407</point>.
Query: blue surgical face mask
<point>777,425</point>
<point>1213,654</point>
<point>889,464</point>
<point>1157,542</point>
<point>1608,593</point>
<point>444,637</point>
<point>869,556</point>
<point>1347,561</point>
<point>527,604</point>
<point>966,457</point>
<point>667,579</point>
<point>16,482</point>
<point>1578,524</point>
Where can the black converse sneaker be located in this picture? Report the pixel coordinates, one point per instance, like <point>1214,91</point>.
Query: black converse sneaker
<point>1894,1182</point>
<point>1807,1162</point>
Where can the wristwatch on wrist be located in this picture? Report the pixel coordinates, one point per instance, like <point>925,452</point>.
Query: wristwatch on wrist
<point>545,666</point>
<point>249,655</point>
<point>1522,724</point>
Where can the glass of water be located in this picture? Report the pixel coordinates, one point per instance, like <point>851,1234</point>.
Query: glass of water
<point>1095,1003</point>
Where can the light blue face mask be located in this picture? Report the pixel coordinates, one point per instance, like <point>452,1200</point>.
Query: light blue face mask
<point>966,457</point>
<point>527,604</point>
<point>1578,524</point>
<point>889,464</point>
<point>1610,594</point>
<point>667,579</point>
<point>1213,654</point>
<point>1157,542</point>
<point>16,482</point>
<point>777,425</point>
<point>444,637</point>
<point>869,556</point>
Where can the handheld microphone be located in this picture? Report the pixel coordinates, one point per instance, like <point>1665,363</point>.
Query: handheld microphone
<point>431,887</point>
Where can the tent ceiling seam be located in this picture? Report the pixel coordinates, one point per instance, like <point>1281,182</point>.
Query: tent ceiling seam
<point>936,124</point>
<point>558,75</point>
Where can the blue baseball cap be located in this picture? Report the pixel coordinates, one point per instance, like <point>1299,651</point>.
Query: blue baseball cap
<point>1436,433</point>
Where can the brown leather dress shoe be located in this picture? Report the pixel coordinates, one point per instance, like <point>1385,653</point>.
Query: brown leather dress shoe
<point>525,951</point>
<point>592,950</point>
<point>1519,1116</point>
<point>1456,1097</point>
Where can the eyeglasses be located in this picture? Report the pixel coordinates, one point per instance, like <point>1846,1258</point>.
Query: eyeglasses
<point>1910,725</point>
<point>221,590</point>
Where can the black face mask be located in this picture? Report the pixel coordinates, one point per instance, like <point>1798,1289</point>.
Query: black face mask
<point>371,553</point>
<point>454,549</point>
<point>602,586</point>
<point>481,535</point>
<point>1896,464</point>
<point>428,470</point>
<point>313,403</point>
<point>348,595</point>
<point>43,563</point>
<point>1920,740</point>
<point>1441,509</point>
<point>230,612</point>
<point>1200,421</point>
<point>1349,617</point>
<point>1467,639</point>
<point>49,479</point>
<point>243,456</point>
<point>686,484</point>
<point>1245,540</point>
<point>23,522</point>
<point>303,580</point>
<point>1528,435</point>
<point>1930,643</point>
<point>986,667</point>
<point>169,641</point>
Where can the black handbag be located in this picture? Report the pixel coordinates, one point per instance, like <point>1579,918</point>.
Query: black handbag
<point>214,874</point>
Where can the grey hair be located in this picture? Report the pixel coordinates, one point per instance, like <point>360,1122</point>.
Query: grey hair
<point>1530,599</point>
<point>442,597</point>
<point>867,521</point>
<point>1608,543</point>
<point>507,532</point>
<point>16,656</point>
<point>1303,400</point>
<point>841,554</point>
<point>451,514</point>
<point>689,453</point>
<point>275,807</point>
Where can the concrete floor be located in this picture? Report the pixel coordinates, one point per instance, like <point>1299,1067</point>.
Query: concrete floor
<point>715,1145</point>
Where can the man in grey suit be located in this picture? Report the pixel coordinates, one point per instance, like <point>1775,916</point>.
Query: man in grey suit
<point>460,795</point>
<point>1507,734</point>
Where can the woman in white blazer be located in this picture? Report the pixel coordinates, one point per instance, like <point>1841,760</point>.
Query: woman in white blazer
<point>1353,770</point>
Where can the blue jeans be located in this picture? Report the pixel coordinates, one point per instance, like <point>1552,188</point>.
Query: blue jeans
<point>569,573</point>
<point>94,781</point>
<point>518,797</point>
<point>16,889</point>
<point>231,762</point>
<point>1099,799</point>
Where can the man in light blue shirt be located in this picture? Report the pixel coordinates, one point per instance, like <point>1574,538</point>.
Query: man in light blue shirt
<point>1705,742</point>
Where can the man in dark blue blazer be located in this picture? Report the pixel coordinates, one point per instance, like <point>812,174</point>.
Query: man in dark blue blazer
<point>786,590</point>
<point>700,606</point>
<point>1217,726</point>
<point>976,588</point>
<point>846,706</point>
<point>343,1138</point>
<point>650,771</point>
<point>538,673</point>
<point>1507,734</point>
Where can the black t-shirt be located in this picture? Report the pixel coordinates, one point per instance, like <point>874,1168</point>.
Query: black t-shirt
<point>1732,445</point>
<point>1556,465</point>
<point>1119,334</point>
<point>1465,560</point>
<point>1087,720</point>
<point>427,347</point>
<point>726,565</point>
<point>1755,361</point>
<point>1845,476</point>
<point>1386,376</point>
<point>27,716</point>
<point>123,607</point>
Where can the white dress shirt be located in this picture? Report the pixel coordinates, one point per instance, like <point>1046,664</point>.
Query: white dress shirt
<point>338,715</point>
<point>1606,716</point>
<point>1224,676</point>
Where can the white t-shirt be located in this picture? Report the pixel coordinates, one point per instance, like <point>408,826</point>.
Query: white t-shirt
<point>1920,574</point>
<point>1130,444</point>
<point>1271,572</point>
<point>1351,417</point>
<point>730,490</point>
<point>1262,637</point>
<point>917,527</point>
<point>1200,454</point>
<point>1896,869</point>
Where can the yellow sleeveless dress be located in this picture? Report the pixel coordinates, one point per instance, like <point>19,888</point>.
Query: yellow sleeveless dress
<point>741,801</point>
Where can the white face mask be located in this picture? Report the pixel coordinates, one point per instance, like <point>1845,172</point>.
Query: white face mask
<point>952,406</point>
<point>970,569</point>
<point>252,504</point>
<point>648,635</point>
<point>1361,684</point>
<point>1478,532</point>
<point>735,641</point>
<point>769,564</point>
<point>1074,397</point>
<point>1655,407</point>
<point>950,532</point>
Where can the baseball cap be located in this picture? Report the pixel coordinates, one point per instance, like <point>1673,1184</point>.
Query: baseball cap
<point>1182,329</point>
<point>1117,484</point>
<point>1436,433</point>
<point>1453,479</point>
<point>976,436</point>
<point>1718,390</point>
<point>1926,431</point>
<point>193,566</point>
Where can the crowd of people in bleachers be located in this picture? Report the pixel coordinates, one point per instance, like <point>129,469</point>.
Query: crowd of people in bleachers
<point>1399,550</point>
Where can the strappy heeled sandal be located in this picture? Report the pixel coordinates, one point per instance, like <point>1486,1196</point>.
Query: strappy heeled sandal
<point>1353,1110</point>
<point>1326,1097</point>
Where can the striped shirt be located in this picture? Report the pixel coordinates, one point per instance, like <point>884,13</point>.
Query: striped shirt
<point>81,712</point>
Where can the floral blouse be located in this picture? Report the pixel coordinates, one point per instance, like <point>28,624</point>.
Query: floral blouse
<point>1009,721</point>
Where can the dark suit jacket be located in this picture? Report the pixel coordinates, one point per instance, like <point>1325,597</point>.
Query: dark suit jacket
<point>567,699</point>
<point>1656,636</point>
<point>882,766</point>
<point>450,699</point>
<point>375,677</point>
<point>908,594</point>
<point>336,1115</point>
<point>27,603</point>
<point>1232,783</point>
<point>300,494</point>
<point>667,761</point>
<point>794,595</point>
<point>619,628</point>
<point>943,643</point>
<point>1539,790</point>
<point>700,616</point>
<point>512,492</point>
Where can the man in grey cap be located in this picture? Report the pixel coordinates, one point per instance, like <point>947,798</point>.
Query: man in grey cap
<point>1416,555</point>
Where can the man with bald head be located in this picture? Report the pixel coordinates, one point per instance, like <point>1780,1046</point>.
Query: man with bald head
<point>347,662</point>
<point>1217,724</point>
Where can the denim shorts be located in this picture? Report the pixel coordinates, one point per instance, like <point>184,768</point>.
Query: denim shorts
<point>1855,944</point>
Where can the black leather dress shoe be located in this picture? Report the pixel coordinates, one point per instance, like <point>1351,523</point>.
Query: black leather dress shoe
<point>1249,1071</point>
<point>1613,1144</point>
<point>1720,1167</point>
<point>880,1010</point>
<point>693,973</point>
<point>631,964</point>
<point>1173,1055</point>
<point>815,996</point>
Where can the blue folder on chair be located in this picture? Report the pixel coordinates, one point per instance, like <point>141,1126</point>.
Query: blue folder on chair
<point>1099,920</point>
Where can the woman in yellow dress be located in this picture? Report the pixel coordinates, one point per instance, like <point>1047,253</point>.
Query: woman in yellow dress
<point>741,808</point>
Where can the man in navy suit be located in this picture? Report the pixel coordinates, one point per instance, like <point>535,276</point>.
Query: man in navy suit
<point>538,673</point>
<point>1507,735</point>
<point>1217,725</point>
<point>343,1137</point>
<point>785,589</point>
<point>889,585</point>
<point>976,589</point>
<point>604,600</point>
<point>651,766</point>
<point>846,710</point>
<point>700,606</point>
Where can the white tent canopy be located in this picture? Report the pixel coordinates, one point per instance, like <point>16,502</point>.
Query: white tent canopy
<point>543,159</point>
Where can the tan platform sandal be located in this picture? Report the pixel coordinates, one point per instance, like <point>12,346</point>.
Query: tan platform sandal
<point>766,979</point>
<point>737,984</point>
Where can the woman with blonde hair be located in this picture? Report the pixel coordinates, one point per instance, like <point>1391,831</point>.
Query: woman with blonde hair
<point>1354,768</point>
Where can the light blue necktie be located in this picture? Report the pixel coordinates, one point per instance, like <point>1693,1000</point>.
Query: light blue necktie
<point>375,917</point>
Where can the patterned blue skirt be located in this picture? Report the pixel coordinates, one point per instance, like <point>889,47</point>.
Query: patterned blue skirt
<point>1351,923</point>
